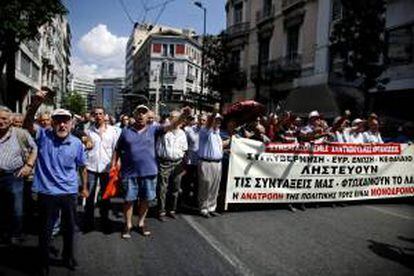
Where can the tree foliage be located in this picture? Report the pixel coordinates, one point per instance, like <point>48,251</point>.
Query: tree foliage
<point>358,39</point>
<point>22,18</point>
<point>221,74</point>
<point>20,21</point>
<point>75,102</point>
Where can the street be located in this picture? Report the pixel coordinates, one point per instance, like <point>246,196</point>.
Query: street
<point>359,239</point>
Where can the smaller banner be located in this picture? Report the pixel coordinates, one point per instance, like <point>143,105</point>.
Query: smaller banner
<point>290,173</point>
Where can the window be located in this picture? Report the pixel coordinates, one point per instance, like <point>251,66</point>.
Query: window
<point>292,42</point>
<point>171,69</point>
<point>164,50</point>
<point>267,7</point>
<point>172,50</point>
<point>400,45</point>
<point>196,73</point>
<point>189,70</point>
<point>336,10</point>
<point>35,73</point>
<point>25,64</point>
<point>238,13</point>
<point>235,59</point>
<point>263,51</point>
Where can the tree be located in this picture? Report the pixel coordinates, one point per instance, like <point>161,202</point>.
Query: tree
<point>358,40</point>
<point>20,21</point>
<point>222,75</point>
<point>75,102</point>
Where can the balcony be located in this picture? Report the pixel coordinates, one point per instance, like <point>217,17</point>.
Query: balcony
<point>265,15</point>
<point>291,4</point>
<point>190,78</point>
<point>282,69</point>
<point>238,29</point>
<point>291,63</point>
<point>168,77</point>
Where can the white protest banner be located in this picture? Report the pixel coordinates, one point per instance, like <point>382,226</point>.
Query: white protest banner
<point>290,173</point>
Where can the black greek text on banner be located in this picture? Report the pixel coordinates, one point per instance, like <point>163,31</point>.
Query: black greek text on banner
<point>292,173</point>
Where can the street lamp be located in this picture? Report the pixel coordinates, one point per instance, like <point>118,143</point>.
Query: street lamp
<point>200,5</point>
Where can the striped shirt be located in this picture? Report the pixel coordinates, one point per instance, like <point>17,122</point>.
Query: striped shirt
<point>11,151</point>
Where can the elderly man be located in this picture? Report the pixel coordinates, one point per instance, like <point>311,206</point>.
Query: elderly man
<point>373,135</point>
<point>136,148</point>
<point>103,137</point>
<point>18,119</point>
<point>171,147</point>
<point>354,134</point>
<point>44,120</point>
<point>210,153</point>
<point>18,155</point>
<point>56,180</point>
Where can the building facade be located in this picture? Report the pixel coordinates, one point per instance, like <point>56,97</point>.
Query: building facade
<point>109,94</point>
<point>282,49</point>
<point>84,87</point>
<point>396,100</point>
<point>167,71</point>
<point>139,34</point>
<point>43,63</point>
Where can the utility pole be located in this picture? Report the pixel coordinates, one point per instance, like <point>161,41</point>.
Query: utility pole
<point>200,5</point>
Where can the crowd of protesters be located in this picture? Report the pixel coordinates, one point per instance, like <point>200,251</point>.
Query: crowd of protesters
<point>59,156</point>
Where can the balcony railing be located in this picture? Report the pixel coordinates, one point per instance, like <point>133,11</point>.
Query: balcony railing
<point>281,69</point>
<point>190,78</point>
<point>290,3</point>
<point>238,29</point>
<point>291,63</point>
<point>168,77</point>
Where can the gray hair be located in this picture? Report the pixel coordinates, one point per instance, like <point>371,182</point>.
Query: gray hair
<point>17,115</point>
<point>5,109</point>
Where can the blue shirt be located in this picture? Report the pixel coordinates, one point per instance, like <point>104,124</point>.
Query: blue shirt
<point>137,150</point>
<point>210,144</point>
<point>57,163</point>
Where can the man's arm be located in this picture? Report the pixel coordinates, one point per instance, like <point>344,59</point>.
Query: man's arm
<point>115,158</point>
<point>84,180</point>
<point>185,112</point>
<point>38,99</point>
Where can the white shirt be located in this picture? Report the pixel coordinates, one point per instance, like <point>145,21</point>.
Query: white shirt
<point>373,137</point>
<point>353,137</point>
<point>339,137</point>
<point>99,157</point>
<point>172,145</point>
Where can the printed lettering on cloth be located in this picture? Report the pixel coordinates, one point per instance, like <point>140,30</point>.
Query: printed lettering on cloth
<point>290,173</point>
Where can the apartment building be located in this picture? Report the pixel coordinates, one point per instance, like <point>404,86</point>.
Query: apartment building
<point>43,63</point>
<point>139,34</point>
<point>167,71</point>
<point>396,101</point>
<point>281,48</point>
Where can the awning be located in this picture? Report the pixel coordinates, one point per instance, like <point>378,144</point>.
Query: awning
<point>303,100</point>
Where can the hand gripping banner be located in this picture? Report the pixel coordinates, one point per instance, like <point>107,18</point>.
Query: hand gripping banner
<point>293,173</point>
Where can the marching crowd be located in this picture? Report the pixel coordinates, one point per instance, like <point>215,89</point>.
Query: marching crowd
<point>58,156</point>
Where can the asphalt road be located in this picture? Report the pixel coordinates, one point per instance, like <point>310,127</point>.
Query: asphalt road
<point>359,239</point>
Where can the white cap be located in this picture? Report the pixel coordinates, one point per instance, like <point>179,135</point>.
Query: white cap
<point>357,121</point>
<point>314,113</point>
<point>218,116</point>
<point>141,106</point>
<point>61,112</point>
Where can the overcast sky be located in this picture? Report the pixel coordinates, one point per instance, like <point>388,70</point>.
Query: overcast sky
<point>100,29</point>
